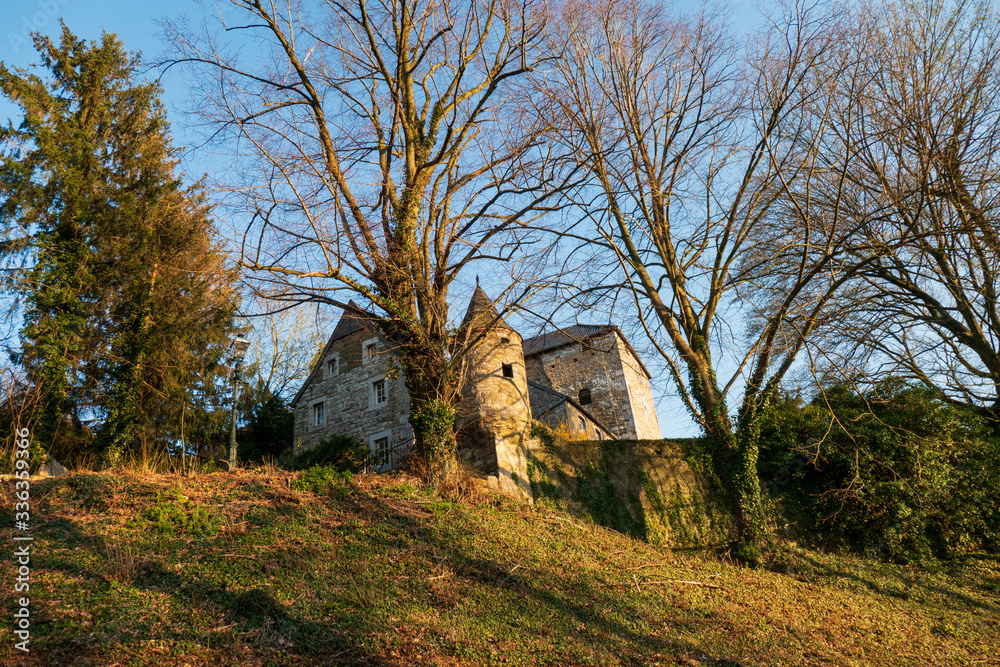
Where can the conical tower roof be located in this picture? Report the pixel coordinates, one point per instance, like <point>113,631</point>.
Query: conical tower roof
<point>482,313</point>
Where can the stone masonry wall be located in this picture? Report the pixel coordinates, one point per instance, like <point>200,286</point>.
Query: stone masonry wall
<point>594,365</point>
<point>565,418</point>
<point>348,402</point>
<point>641,488</point>
<point>494,417</point>
<point>644,419</point>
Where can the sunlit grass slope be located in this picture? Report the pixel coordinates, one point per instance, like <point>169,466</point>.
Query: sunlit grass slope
<point>244,570</point>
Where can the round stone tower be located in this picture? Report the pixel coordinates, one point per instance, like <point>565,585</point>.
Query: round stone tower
<point>494,418</point>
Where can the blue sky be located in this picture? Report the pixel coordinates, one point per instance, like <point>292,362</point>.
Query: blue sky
<point>135,22</point>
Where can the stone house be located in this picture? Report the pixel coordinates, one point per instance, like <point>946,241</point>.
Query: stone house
<point>596,365</point>
<point>585,380</point>
<point>354,390</point>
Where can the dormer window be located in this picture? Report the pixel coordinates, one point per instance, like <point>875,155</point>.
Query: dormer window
<point>585,396</point>
<point>508,370</point>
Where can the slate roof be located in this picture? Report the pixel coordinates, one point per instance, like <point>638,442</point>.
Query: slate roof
<point>560,337</point>
<point>349,323</point>
<point>575,334</point>
<point>482,312</point>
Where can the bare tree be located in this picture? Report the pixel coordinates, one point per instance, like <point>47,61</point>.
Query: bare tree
<point>382,151</point>
<point>691,144</point>
<point>916,133</point>
<point>287,343</point>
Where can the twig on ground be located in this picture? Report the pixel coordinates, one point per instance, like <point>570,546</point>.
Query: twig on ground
<point>689,583</point>
<point>559,518</point>
<point>657,563</point>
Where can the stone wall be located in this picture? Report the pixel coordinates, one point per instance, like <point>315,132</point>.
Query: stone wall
<point>604,365</point>
<point>641,488</point>
<point>494,417</point>
<point>350,408</point>
<point>644,419</point>
<point>565,418</point>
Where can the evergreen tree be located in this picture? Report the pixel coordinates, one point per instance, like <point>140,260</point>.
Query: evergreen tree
<point>126,289</point>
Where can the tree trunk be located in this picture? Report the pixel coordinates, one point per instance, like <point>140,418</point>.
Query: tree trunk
<point>120,426</point>
<point>433,424</point>
<point>734,463</point>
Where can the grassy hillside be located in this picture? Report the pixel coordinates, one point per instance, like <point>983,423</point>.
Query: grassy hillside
<point>242,569</point>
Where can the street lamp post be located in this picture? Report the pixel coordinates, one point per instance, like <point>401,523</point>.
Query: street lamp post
<point>238,350</point>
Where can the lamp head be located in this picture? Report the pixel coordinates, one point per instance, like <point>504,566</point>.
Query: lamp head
<point>239,348</point>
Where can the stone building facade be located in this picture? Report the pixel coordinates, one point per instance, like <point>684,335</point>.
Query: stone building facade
<point>356,390</point>
<point>493,424</point>
<point>584,380</point>
<point>596,365</point>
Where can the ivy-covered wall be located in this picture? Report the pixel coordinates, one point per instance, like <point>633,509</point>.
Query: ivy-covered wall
<point>642,488</point>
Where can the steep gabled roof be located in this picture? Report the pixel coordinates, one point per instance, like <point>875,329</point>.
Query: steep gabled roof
<point>577,333</point>
<point>350,322</point>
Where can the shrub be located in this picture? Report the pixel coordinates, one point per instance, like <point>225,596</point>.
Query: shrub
<point>896,472</point>
<point>325,480</point>
<point>269,430</point>
<point>173,514</point>
<point>339,452</point>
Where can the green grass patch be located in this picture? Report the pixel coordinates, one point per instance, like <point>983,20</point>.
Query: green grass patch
<point>390,574</point>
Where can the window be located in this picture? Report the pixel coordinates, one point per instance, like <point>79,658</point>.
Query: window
<point>381,452</point>
<point>379,394</point>
<point>369,350</point>
<point>600,434</point>
<point>317,414</point>
<point>505,340</point>
<point>332,365</point>
<point>582,423</point>
<point>585,396</point>
<point>508,370</point>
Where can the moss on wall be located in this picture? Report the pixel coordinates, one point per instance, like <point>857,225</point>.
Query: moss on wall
<point>643,488</point>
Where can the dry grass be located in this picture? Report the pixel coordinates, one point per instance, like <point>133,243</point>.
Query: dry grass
<point>121,565</point>
<point>147,461</point>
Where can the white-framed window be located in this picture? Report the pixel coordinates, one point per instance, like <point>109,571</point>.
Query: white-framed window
<point>600,434</point>
<point>381,450</point>
<point>332,366</point>
<point>369,350</point>
<point>582,423</point>
<point>317,415</point>
<point>378,393</point>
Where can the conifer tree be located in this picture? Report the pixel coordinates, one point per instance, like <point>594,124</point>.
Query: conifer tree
<point>124,283</point>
